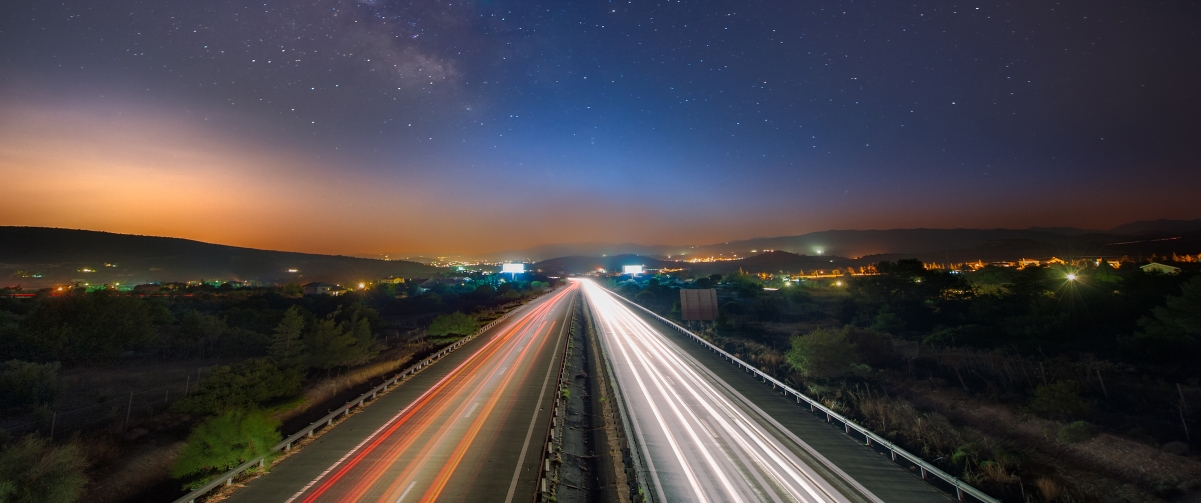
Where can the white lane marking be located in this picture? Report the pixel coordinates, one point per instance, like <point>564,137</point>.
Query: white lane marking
<point>671,439</point>
<point>406,493</point>
<point>660,347</point>
<point>657,348</point>
<point>398,415</point>
<point>669,394</point>
<point>469,411</point>
<point>534,419</point>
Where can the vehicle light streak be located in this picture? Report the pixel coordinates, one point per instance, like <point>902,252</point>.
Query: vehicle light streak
<point>704,445</point>
<point>422,445</point>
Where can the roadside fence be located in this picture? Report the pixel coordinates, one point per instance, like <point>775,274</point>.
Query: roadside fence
<point>122,408</point>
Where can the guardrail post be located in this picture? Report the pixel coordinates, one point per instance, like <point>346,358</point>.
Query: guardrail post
<point>958,493</point>
<point>893,452</point>
<point>923,469</point>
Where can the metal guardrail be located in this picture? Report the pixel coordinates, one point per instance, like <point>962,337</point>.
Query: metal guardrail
<point>927,470</point>
<point>228,477</point>
<point>544,485</point>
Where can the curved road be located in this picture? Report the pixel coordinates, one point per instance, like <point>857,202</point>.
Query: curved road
<point>469,428</point>
<point>703,441</point>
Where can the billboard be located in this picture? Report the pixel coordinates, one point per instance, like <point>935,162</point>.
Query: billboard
<point>631,269</point>
<point>698,305</point>
<point>513,268</point>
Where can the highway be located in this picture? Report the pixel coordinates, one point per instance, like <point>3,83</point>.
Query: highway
<point>468,428</point>
<point>701,439</point>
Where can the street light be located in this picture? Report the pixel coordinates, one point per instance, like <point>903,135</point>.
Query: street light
<point>1071,276</point>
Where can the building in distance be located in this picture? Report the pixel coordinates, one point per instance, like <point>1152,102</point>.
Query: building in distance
<point>318,288</point>
<point>1158,268</point>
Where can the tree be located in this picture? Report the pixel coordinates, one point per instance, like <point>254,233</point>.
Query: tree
<point>825,353</point>
<point>250,384</point>
<point>455,323</point>
<point>888,321</point>
<point>224,442</point>
<point>34,471</point>
<point>1180,315</point>
<point>330,345</point>
<point>201,331</point>
<point>364,339</point>
<point>287,348</point>
<point>89,327</point>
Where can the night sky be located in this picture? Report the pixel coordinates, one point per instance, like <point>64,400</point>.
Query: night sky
<point>406,127</point>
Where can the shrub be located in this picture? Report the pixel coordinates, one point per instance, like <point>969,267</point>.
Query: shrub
<point>28,384</point>
<point>247,385</point>
<point>224,442</point>
<point>824,353</point>
<point>455,323</point>
<point>1075,432</point>
<point>32,470</point>
<point>1059,400</point>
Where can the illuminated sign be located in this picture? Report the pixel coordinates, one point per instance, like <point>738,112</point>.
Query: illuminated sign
<point>513,268</point>
<point>631,269</point>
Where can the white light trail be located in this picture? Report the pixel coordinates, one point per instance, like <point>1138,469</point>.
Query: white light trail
<point>740,456</point>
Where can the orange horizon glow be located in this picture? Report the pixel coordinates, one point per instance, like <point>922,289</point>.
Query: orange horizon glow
<point>139,172</point>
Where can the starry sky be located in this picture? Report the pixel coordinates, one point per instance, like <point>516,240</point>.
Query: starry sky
<point>379,126</point>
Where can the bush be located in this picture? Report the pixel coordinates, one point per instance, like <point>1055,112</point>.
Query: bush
<point>1059,400</point>
<point>247,385</point>
<point>224,442</point>
<point>33,471</point>
<point>455,323</point>
<point>1075,432</point>
<point>28,384</point>
<point>825,354</point>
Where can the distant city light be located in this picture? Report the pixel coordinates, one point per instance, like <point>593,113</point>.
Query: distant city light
<point>837,283</point>
<point>362,286</point>
<point>293,270</point>
<point>513,268</point>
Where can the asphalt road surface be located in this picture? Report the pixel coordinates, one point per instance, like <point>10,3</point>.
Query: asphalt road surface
<point>703,440</point>
<point>468,428</point>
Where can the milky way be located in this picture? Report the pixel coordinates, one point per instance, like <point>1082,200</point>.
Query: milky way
<point>433,126</point>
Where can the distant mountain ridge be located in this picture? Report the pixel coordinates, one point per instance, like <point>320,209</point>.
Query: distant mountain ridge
<point>60,255</point>
<point>859,243</point>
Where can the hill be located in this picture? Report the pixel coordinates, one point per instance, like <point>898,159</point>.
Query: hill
<point>62,256</point>
<point>931,244</point>
<point>577,264</point>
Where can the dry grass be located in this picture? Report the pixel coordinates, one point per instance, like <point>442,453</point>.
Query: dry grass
<point>1049,489</point>
<point>324,389</point>
<point>995,472</point>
